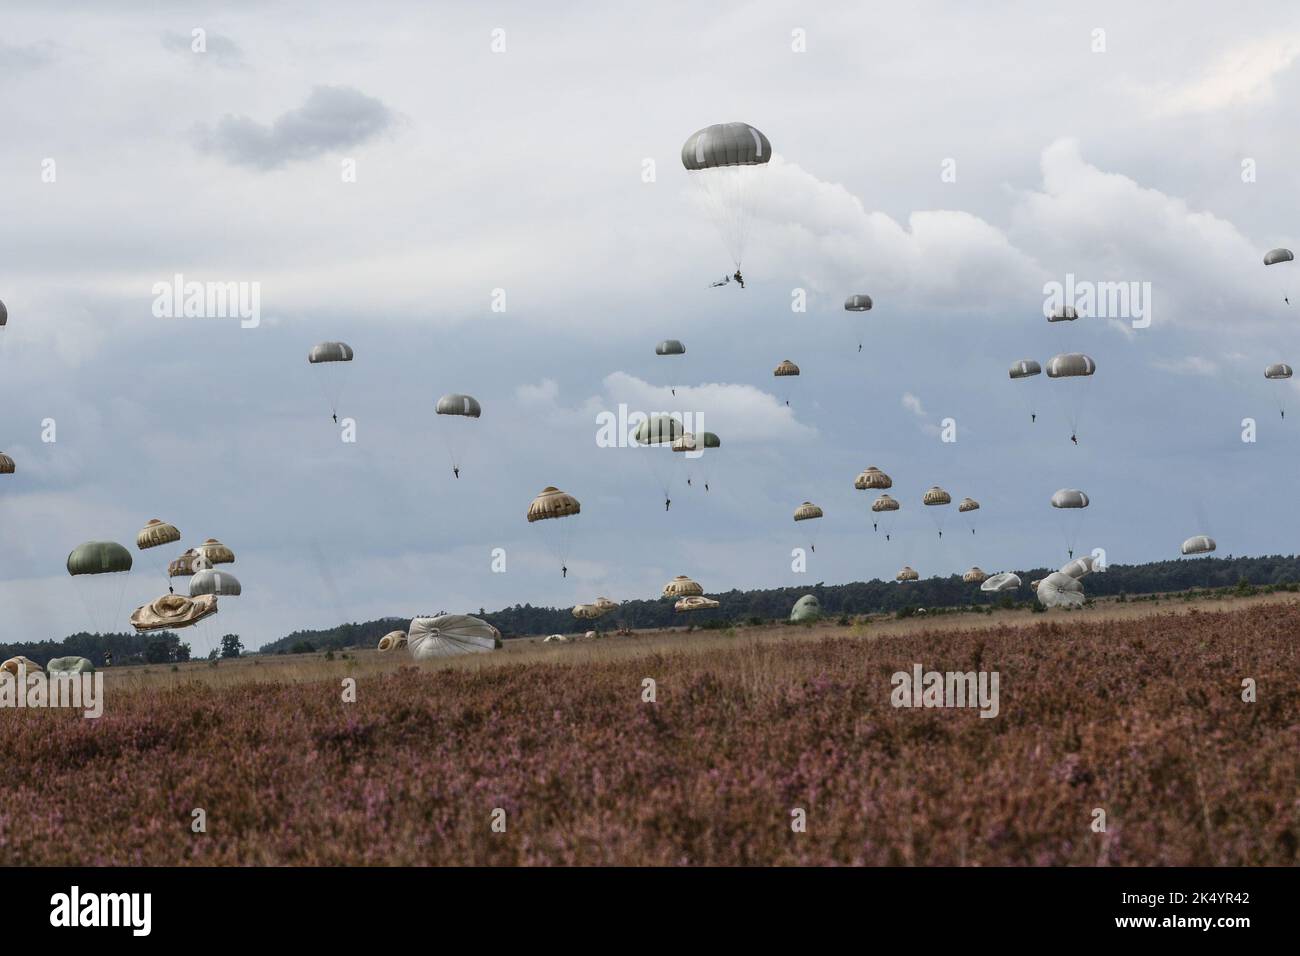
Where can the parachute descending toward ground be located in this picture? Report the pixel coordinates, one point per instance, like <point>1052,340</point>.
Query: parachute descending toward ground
<point>185,566</point>
<point>907,574</point>
<point>212,552</point>
<point>456,414</point>
<point>657,434</point>
<point>725,162</point>
<point>335,359</point>
<point>808,512</point>
<point>1073,369</point>
<point>172,611</point>
<point>1279,371</point>
<point>553,506</point>
<point>7,466</point>
<point>99,571</point>
<point>882,510</point>
<point>669,348</point>
<point>968,507</point>
<point>937,498</point>
<point>1071,501</point>
<point>1275,256</point>
<point>1023,370</point>
<point>1199,544</point>
<point>221,583</point>
<point>155,534</point>
<point>1060,590</point>
<point>450,635</point>
<point>682,586</point>
<point>872,477</point>
<point>974,576</point>
<point>858,303</point>
<point>1001,582</point>
<point>787,371</point>
<point>697,448</point>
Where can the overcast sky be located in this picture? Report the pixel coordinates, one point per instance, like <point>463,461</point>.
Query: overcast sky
<point>1168,158</point>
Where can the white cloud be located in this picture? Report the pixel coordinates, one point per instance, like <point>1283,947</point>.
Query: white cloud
<point>1240,76</point>
<point>1187,365</point>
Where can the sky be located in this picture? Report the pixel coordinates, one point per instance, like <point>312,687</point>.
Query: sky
<point>390,176</point>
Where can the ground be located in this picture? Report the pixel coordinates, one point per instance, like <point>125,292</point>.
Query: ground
<point>1132,711</point>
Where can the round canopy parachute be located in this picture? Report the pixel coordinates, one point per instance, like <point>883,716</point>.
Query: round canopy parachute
<point>974,576</point>
<point>1060,590</point>
<point>212,552</point>
<point>872,478</point>
<point>1069,498</point>
<point>1002,581</point>
<point>1278,370</point>
<point>858,303</point>
<point>1065,314</point>
<point>588,612</point>
<point>786,368</point>
<point>7,466</point>
<point>885,503</point>
<point>722,161</point>
<point>221,583</point>
<point>184,566</point>
<point>806,511</point>
<point>1025,368</point>
<point>907,574</point>
<point>682,586</point>
<point>99,557</point>
<point>658,430</point>
<point>1070,365</point>
<point>1272,257</point>
<point>392,641</point>
<point>454,404</point>
<point>1199,544</point>
<point>689,442</point>
<point>670,347</point>
<point>968,504</point>
<point>553,503</point>
<point>936,496</point>
<point>330,352</point>
<point>450,635</point>
<point>1080,567</point>
<point>4,315</point>
<point>156,533</point>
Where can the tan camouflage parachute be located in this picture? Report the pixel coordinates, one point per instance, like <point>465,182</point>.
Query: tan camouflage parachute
<point>872,478</point>
<point>173,611</point>
<point>185,566</point>
<point>212,552</point>
<point>974,576</point>
<point>156,533</point>
<point>907,574</point>
<point>696,603</point>
<point>1199,544</point>
<point>682,586</point>
<point>807,511</point>
<point>392,641</point>
<point>785,368</point>
<point>6,464</point>
<point>885,503</point>
<point>968,504</point>
<point>553,503</point>
<point>26,663</point>
<point>936,496</point>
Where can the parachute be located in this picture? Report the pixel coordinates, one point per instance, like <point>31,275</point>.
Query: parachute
<point>658,433</point>
<point>393,641</point>
<point>171,611</point>
<point>588,612</point>
<point>858,303</point>
<point>23,663</point>
<point>974,576</point>
<point>1279,371</point>
<point>1064,314</point>
<point>7,466</point>
<point>723,161</point>
<point>807,608</point>
<point>185,566</point>
<point>697,449</point>
<point>70,665</point>
<point>786,371</point>
<point>336,359</point>
<point>456,413</point>
<point>99,570</point>
<point>1272,258</point>
<point>4,315</point>
<point>969,506</point>
<point>1070,500</point>
<point>450,635</point>
<point>1000,582</point>
<point>550,505</point>
<point>695,603</point>
<point>212,552</point>
<point>682,586</point>
<point>222,583</point>
<point>936,497</point>
<point>672,347</point>
<point>872,477</point>
<point>1080,567</point>
<point>1026,369</point>
<point>882,510</point>
<point>785,368</point>
<point>1199,544</point>
<point>907,574</point>
<point>1060,590</point>
<point>1074,368</point>
<point>155,534</point>
<point>807,511</point>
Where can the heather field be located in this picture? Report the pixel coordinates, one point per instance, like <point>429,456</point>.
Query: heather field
<point>1138,713</point>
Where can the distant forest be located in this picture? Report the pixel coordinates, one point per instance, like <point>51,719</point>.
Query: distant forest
<point>738,607</point>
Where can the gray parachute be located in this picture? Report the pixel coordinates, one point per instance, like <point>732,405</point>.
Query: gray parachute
<point>450,635</point>
<point>1025,368</point>
<point>1274,256</point>
<point>220,583</point>
<point>1000,582</point>
<point>330,352</point>
<point>858,303</point>
<point>725,144</point>
<point>454,404</point>
<point>1070,365</point>
<point>1070,498</point>
<point>1199,544</point>
<point>1060,590</point>
<point>1278,370</point>
<point>670,347</point>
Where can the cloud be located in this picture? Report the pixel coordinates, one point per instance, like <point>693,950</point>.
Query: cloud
<point>220,50</point>
<point>1187,365</point>
<point>913,405</point>
<point>333,118</point>
<point>29,56</point>
<point>1240,76</point>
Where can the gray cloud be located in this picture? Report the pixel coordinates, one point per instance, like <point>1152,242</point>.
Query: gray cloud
<point>24,57</point>
<point>334,117</point>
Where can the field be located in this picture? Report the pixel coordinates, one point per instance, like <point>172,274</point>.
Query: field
<point>1134,710</point>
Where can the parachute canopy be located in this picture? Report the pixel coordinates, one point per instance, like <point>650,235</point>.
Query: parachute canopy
<point>392,641</point>
<point>156,533</point>
<point>173,611</point>
<point>1070,365</point>
<point>885,503</point>
<point>670,347</point>
<point>786,368</point>
<point>722,161</point>
<point>807,608</point>
<point>212,552</point>
<point>658,430</point>
<point>450,635</point>
<point>553,503</point>
<point>682,586</point>
<point>907,574</point>
<point>872,477</point>
<point>1065,314</point>
<point>330,352</point>
<point>974,576</point>
<point>1069,498</point>
<point>99,557</point>
<point>1060,590</point>
<point>7,466</point>
<point>936,496</point>
<point>1080,567</point>
<point>454,404</point>
<point>1002,581</point>
<point>1272,257</point>
<point>1025,368</point>
<point>696,603</point>
<point>208,581</point>
<point>1278,370</point>
<point>725,144</point>
<point>1199,544</point>
<point>185,565</point>
<point>4,315</point>
<point>968,504</point>
<point>807,511</point>
<point>70,665</point>
<point>858,303</point>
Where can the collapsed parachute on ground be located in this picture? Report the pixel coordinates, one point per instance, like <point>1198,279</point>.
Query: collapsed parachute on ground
<point>1079,567</point>
<point>208,581</point>
<point>695,603</point>
<point>173,611</point>
<point>450,635</point>
<point>25,663</point>
<point>1060,590</point>
<point>682,586</point>
<point>70,665</point>
<point>393,641</point>
<point>155,533</point>
<point>807,608</point>
<point>872,477</point>
<point>807,511</point>
<point>907,574</point>
<point>974,576</point>
<point>1199,544</point>
<point>722,162</point>
<point>1000,582</point>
